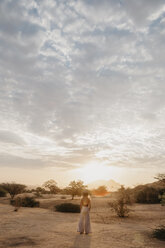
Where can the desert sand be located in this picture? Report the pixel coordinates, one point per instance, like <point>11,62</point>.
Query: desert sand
<point>42,227</point>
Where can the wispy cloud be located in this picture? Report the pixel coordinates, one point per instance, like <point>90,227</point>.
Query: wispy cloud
<point>82,80</point>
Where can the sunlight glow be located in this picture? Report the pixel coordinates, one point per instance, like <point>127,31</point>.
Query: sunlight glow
<point>95,171</point>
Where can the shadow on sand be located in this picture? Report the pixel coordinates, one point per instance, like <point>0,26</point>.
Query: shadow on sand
<point>82,241</point>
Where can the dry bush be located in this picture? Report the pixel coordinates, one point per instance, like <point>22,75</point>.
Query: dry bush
<point>150,193</point>
<point>120,205</point>
<point>159,233</point>
<point>100,191</point>
<point>162,199</point>
<point>26,201</point>
<point>2,192</point>
<point>63,197</point>
<point>68,207</point>
<point>147,195</point>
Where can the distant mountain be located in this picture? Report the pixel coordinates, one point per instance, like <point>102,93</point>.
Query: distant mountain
<point>110,184</point>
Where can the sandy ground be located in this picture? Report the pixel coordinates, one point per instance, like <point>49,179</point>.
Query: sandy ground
<point>41,227</point>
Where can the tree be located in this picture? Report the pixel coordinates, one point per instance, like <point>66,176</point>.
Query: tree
<point>13,188</point>
<point>75,188</point>
<point>40,190</point>
<point>101,190</point>
<point>161,178</point>
<point>52,186</point>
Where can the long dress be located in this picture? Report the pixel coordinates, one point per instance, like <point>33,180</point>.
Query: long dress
<point>84,224</point>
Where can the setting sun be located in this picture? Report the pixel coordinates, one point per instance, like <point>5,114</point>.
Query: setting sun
<point>95,171</point>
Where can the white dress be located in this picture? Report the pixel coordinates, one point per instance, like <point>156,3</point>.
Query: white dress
<point>84,224</point>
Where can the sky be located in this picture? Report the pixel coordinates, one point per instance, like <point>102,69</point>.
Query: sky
<point>82,90</point>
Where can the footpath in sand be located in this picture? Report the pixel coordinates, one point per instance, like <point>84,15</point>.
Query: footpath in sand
<point>47,229</point>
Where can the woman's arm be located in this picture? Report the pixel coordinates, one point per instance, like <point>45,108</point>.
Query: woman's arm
<point>89,204</point>
<point>81,204</point>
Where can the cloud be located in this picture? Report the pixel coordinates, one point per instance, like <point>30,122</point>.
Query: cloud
<point>9,137</point>
<point>82,80</point>
<point>11,161</point>
<point>140,11</point>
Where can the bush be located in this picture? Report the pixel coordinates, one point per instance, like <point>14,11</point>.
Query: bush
<point>29,202</point>
<point>38,195</point>
<point>162,199</point>
<point>25,202</point>
<point>63,197</point>
<point>100,191</point>
<point>147,195</point>
<point>159,233</point>
<point>2,192</point>
<point>16,203</point>
<point>68,207</point>
<point>120,206</point>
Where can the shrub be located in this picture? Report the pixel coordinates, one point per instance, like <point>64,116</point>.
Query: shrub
<point>38,195</point>
<point>2,192</point>
<point>120,206</point>
<point>29,202</point>
<point>162,199</point>
<point>159,233</point>
<point>147,195</point>
<point>101,191</point>
<point>68,207</point>
<point>16,203</point>
<point>63,197</point>
<point>25,202</point>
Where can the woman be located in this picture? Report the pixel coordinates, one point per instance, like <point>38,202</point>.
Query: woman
<point>84,222</point>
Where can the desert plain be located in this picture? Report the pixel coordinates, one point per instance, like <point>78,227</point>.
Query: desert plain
<point>45,228</point>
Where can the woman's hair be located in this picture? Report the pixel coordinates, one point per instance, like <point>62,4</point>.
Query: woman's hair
<point>85,193</point>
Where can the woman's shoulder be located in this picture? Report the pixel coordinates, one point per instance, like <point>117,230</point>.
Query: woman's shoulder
<point>85,198</point>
